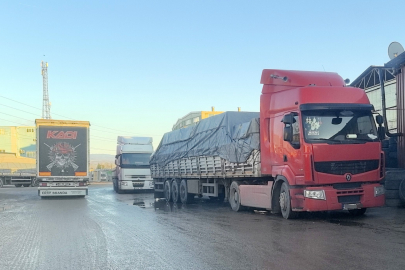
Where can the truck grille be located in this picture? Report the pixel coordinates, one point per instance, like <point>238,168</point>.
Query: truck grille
<point>349,199</point>
<point>343,167</point>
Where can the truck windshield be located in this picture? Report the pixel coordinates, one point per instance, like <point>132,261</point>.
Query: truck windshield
<point>339,126</point>
<point>135,160</point>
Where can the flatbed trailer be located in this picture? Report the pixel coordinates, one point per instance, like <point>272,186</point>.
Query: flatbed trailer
<point>18,179</point>
<point>314,146</point>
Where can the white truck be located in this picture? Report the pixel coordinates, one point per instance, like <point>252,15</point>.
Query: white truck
<point>62,157</point>
<point>132,171</point>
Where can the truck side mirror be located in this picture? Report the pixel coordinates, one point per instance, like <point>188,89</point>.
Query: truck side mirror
<point>379,119</point>
<point>288,133</point>
<point>381,132</point>
<point>288,119</point>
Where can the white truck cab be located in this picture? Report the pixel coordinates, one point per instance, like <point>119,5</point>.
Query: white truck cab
<point>132,171</point>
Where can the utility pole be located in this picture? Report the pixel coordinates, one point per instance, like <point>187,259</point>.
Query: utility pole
<point>46,105</point>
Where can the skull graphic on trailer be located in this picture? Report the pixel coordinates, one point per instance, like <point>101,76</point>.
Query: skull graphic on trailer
<point>62,155</point>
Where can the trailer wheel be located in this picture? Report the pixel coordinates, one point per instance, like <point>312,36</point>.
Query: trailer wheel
<point>285,202</point>
<point>168,191</point>
<point>357,212</point>
<point>175,191</point>
<point>185,197</point>
<point>18,185</point>
<point>234,197</point>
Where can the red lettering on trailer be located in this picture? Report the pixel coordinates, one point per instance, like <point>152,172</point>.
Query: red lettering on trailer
<point>61,134</point>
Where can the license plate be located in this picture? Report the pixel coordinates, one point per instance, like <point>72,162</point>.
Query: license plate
<point>350,206</point>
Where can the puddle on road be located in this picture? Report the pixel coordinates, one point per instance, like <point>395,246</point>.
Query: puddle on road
<point>144,203</point>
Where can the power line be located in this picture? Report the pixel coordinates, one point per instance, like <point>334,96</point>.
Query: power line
<point>70,118</point>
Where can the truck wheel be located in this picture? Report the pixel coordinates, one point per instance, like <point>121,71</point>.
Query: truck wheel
<point>119,191</point>
<point>115,185</point>
<point>18,185</point>
<point>285,202</point>
<point>168,191</point>
<point>26,185</point>
<point>357,212</point>
<point>234,197</point>
<point>175,191</point>
<point>185,197</point>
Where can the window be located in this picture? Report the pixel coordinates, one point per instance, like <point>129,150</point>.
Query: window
<point>296,130</point>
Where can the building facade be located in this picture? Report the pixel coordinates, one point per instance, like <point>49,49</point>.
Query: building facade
<point>193,118</point>
<point>19,140</point>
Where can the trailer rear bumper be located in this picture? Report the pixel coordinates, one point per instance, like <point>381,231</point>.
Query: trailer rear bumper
<point>368,196</point>
<point>60,191</point>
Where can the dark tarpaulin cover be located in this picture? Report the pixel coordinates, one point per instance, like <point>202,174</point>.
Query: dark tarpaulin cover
<point>230,135</point>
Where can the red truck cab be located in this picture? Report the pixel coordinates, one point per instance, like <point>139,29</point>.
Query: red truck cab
<point>320,144</point>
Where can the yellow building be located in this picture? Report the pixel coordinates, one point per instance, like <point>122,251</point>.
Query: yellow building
<point>18,140</point>
<point>11,163</point>
<point>193,117</point>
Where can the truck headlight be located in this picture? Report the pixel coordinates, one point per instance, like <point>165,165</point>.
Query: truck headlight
<point>315,194</point>
<point>378,191</point>
<point>124,183</point>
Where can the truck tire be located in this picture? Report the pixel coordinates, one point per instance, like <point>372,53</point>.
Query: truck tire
<point>234,197</point>
<point>175,191</point>
<point>115,186</point>
<point>168,191</point>
<point>119,191</point>
<point>185,197</point>
<point>18,185</point>
<point>357,212</point>
<point>285,202</point>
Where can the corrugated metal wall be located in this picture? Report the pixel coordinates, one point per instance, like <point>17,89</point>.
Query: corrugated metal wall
<point>401,117</point>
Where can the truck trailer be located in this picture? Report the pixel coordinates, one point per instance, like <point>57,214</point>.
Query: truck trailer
<point>132,170</point>
<point>314,146</point>
<point>62,157</point>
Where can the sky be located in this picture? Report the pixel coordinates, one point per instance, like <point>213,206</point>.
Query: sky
<point>132,68</point>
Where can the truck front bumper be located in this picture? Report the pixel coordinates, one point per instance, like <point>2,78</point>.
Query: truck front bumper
<point>338,199</point>
<point>62,191</point>
<point>136,184</point>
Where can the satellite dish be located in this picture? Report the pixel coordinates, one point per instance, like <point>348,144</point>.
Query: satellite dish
<point>395,49</point>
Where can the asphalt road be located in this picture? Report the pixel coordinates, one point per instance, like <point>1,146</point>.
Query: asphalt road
<point>131,231</point>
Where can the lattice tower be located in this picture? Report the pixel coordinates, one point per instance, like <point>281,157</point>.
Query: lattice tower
<point>46,106</point>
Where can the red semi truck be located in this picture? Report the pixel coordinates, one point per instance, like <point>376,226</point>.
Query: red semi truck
<point>315,147</point>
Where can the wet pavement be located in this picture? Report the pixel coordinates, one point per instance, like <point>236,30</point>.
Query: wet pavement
<point>106,230</point>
